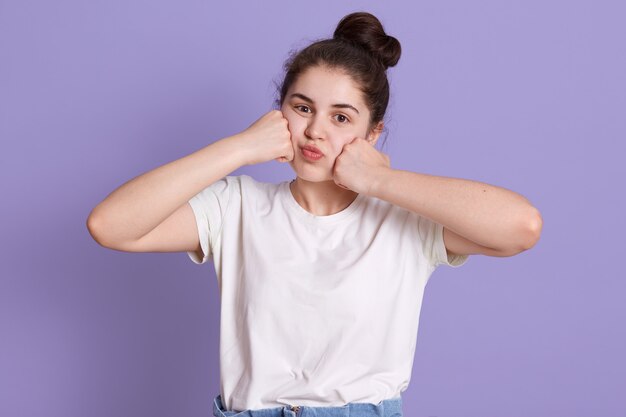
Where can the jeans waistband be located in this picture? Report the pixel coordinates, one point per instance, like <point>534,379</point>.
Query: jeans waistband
<point>387,408</point>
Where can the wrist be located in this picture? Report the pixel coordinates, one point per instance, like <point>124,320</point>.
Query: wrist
<point>380,177</point>
<point>239,147</point>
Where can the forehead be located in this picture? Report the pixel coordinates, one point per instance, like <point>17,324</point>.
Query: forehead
<point>326,86</point>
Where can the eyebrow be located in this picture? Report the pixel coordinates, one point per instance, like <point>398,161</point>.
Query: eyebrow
<point>339,106</point>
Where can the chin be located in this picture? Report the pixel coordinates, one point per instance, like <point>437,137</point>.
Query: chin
<point>311,174</point>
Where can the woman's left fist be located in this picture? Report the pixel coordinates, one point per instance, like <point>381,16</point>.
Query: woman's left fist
<point>359,166</point>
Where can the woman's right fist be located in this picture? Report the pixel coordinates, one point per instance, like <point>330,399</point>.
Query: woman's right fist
<point>268,138</point>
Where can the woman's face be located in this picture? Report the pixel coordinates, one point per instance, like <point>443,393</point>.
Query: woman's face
<point>325,109</point>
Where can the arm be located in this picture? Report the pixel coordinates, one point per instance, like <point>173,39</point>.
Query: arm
<point>500,221</point>
<point>151,212</point>
<point>137,207</point>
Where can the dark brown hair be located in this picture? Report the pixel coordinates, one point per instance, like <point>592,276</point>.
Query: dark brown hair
<point>362,49</point>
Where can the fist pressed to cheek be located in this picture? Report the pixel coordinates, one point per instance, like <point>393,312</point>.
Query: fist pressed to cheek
<point>358,165</point>
<point>268,138</point>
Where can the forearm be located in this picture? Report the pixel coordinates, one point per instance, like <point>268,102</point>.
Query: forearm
<point>488,215</point>
<point>139,205</point>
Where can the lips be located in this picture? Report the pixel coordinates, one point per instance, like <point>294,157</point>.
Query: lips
<point>313,149</point>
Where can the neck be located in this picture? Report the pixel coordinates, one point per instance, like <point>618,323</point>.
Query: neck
<point>321,198</point>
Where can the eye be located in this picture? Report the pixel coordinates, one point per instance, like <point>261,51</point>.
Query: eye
<point>301,106</point>
<point>342,119</point>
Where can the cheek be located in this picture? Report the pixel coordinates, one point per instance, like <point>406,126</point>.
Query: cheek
<point>295,124</point>
<point>337,148</point>
<point>342,141</point>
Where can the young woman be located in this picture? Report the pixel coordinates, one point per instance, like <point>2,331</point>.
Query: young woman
<point>321,278</point>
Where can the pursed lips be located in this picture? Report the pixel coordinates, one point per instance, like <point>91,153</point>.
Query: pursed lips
<point>313,149</point>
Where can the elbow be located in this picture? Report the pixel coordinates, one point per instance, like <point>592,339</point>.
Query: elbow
<point>533,224</point>
<point>101,231</point>
<point>528,234</point>
<point>93,226</point>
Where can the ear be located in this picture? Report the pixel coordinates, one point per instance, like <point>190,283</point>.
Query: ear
<point>374,134</point>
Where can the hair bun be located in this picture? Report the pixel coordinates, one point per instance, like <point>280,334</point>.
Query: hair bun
<point>365,30</point>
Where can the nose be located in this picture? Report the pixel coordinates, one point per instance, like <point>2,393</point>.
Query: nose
<point>315,128</point>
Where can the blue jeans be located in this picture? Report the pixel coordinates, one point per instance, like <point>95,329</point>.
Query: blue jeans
<point>386,408</point>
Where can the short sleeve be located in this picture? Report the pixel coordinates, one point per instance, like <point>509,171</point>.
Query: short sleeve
<point>209,207</point>
<point>434,248</point>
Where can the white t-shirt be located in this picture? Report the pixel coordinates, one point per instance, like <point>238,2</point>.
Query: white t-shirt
<point>315,310</point>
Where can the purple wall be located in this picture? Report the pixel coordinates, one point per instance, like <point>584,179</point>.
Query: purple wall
<point>526,95</point>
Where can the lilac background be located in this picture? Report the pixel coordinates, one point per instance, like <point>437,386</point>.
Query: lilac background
<point>527,95</point>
